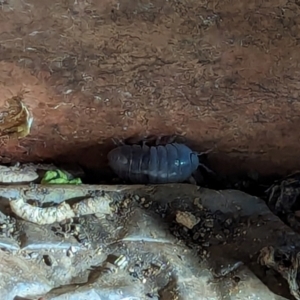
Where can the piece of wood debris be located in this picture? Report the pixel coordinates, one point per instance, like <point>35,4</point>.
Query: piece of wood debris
<point>186,219</point>
<point>50,215</point>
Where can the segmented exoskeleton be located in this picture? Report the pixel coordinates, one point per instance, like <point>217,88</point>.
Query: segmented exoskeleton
<point>169,163</point>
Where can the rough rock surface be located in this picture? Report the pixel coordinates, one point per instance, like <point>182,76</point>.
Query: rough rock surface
<point>224,73</point>
<point>143,251</point>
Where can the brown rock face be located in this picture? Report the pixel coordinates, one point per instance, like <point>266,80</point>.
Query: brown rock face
<point>223,73</point>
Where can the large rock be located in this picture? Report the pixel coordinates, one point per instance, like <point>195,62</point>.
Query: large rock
<point>162,242</point>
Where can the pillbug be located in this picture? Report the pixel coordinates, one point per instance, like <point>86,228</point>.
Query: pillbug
<point>155,164</point>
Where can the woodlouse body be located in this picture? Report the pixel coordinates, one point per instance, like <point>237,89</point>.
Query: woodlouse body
<point>142,164</point>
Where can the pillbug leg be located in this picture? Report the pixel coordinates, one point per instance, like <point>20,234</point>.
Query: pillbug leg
<point>180,139</point>
<point>144,143</point>
<point>158,140</point>
<point>117,141</point>
<point>192,180</point>
<point>151,139</point>
<point>141,140</point>
<point>134,140</point>
<point>167,139</point>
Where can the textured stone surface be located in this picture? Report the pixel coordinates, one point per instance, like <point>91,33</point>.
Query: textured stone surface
<point>162,259</point>
<point>224,73</point>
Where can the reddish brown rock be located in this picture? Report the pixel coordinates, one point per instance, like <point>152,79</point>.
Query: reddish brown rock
<point>223,73</point>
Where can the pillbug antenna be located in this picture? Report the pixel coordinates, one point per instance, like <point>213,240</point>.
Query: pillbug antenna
<point>207,151</point>
<point>204,154</point>
<point>207,169</point>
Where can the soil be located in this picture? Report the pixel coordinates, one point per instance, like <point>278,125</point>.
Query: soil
<point>223,74</point>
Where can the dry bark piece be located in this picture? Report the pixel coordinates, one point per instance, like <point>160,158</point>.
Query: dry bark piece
<point>40,215</point>
<point>17,174</point>
<point>282,199</point>
<point>17,120</point>
<point>50,215</point>
<point>99,205</point>
<point>277,259</point>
